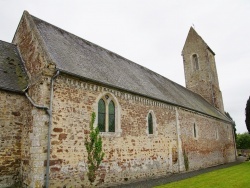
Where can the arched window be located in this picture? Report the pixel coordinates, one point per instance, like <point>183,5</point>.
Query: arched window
<point>108,115</point>
<point>111,116</point>
<point>101,115</point>
<point>150,124</point>
<point>195,62</point>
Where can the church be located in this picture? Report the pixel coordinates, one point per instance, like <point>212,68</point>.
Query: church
<point>51,81</point>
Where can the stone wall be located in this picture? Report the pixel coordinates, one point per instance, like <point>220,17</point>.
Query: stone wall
<point>39,69</point>
<point>13,113</point>
<point>211,145</point>
<point>130,154</point>
<point>35,137</point>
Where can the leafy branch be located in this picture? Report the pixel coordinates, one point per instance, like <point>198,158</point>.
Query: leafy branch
<point>93,144</point>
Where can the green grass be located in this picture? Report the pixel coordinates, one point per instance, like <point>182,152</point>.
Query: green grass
<point>232,177</point>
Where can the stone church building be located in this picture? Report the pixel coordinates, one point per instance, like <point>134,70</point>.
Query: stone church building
<point>50,83</point>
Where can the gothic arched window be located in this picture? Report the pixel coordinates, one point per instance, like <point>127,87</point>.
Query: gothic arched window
<point>101,115</point>
<point>111,116</point>
<point>108,114</point>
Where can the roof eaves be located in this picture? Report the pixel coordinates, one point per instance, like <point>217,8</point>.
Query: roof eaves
<point>11,90</point>
<point>210,50</point>
<point>23,67</point>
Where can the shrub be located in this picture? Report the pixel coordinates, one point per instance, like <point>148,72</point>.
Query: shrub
<point>93,144</point>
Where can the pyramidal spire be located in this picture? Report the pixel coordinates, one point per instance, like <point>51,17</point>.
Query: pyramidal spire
<point>192,35</point>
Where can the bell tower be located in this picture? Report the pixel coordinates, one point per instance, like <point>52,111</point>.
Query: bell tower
<point>200,69</point>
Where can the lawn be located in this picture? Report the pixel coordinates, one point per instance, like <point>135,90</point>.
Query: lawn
<point>232,177</point>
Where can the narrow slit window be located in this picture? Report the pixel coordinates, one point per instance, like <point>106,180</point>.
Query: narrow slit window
<point>195,131</point>
<point>228,132</point>
<point>150,124</point>
<point>216,134</point>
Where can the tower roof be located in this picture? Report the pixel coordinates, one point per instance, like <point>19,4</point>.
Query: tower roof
<point>194,37</point>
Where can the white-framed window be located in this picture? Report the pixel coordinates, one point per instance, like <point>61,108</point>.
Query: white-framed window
<point>108,114</point>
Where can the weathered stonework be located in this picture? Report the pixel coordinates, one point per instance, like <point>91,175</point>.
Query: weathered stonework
<point>204,79</point>
<point>13,113</point>
<point>134,154</point>
<point>35,133</point>
<point>212,145</point>
<point>130,156</point>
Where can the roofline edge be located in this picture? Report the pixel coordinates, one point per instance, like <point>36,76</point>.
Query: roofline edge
<point>11,90</point>
<point>167,102</point>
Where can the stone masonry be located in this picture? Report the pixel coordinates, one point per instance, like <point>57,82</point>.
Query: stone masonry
<point>133,154</point>
<point>13,119</point>
<point>203,81</point>
<point>36,131</point>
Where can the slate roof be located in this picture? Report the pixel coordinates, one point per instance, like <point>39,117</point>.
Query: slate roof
<point>81,58</point>
<point>12,73</point>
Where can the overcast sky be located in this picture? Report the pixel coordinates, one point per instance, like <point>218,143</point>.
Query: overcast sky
<point>152,33</point>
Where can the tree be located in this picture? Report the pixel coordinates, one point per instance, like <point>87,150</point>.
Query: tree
<point>247,110</point>
<point>243,141</point>
<point>234,125</point>
<point>93,144</point>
